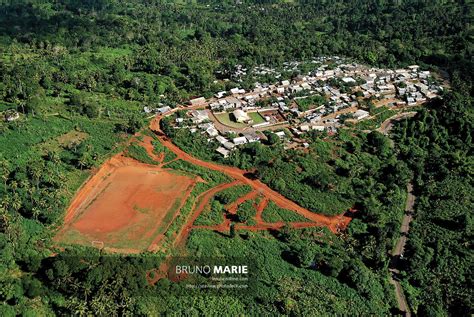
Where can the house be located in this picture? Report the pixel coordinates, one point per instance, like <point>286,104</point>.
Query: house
<point>212,132</point>
<point>233,102</point>
<point>215,106</point>
<point>229,145</point>
<point>163,110</point>
<point>236,91</point>
<point>281,134</point>
<point>220,94</point>
<point>361,114</point>
<point>223,151</point>
<point>295,89</point>
<point>285,82</point>
<point>205,126</point>
<point>304,128</point>
<point>252,137</point>
<point>280,90</point>
<point>411,101</point>
<point>199,116</point>
<point>348,80</point>
<point>221,139</point>
<point>241,116</point>
<point>197,101</point>
<point>240,140</point>
<point>318,127</point>
<point>305,86</point>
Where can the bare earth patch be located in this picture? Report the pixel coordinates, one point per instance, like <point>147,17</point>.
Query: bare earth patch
<point>125,206</point>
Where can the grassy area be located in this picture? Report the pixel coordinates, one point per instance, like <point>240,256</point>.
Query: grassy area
<point>256,117</point>
<point>139,153</point>
<point>310,102</point>
<point>374,123</point>
<point>213,214</point>
<point>273,213</point>
<point>231,194</point>
<point>212,178</point>
<point>159,148</point>
<point>246,212</point>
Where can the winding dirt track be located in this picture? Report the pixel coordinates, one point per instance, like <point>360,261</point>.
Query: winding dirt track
<point>202,200</point>
<point>334,223</point>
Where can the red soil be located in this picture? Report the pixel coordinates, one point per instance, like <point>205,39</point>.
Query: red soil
<point>124,204</point>
<point>334,223</point>
<point>202,200</point>
<point>260,208</point>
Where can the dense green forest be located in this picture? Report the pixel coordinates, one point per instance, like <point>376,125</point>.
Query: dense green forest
<point>437,145</point>
<point>80,72</point>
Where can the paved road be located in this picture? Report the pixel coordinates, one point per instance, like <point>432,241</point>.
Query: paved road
<point>398,251</point>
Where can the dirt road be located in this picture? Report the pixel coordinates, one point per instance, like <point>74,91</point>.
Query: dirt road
<point>398,251</point>
<point>387,125</point>
<point>334,223</point>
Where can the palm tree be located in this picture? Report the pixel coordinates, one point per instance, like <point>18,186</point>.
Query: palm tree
<point>35,212</point>
<point>5,170</point>
<point>16,202</point>
<point>14,185</point>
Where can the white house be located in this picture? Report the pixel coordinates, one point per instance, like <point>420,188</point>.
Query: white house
<point>163,110</point>
<point>221,139</point>
<point>239,140</point>
<point>223,151</point>
<point>281,134</point>
<point>241,116</point>
<point>212,132</point>
<point>197,101</point>
<point>199,116</point>
<point>361,114</point>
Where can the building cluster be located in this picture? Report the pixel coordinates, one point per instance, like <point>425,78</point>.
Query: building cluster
<point>338,85</point>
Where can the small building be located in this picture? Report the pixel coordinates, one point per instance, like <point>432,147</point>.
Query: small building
<point>304,128</point>
<point>348,80</point>
<point>240,140</point>
<point>197,101</point>
<point>223,151</point>
<point>163,110</point>
<point>221,139</point>
<point>234,91</point>
<point>199,116</point>
<point>281,134</point>
<point>220,94</point>
<point>241,116</point>
<point>361,114</point>
<point>318,127</point>
<point>252,137</point>
<point>212,132</point>
<point>229,145</point>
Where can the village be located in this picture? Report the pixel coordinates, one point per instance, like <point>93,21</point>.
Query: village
<point>333,95</point>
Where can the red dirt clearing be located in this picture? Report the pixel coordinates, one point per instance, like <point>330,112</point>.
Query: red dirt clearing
<point>125,205</point>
